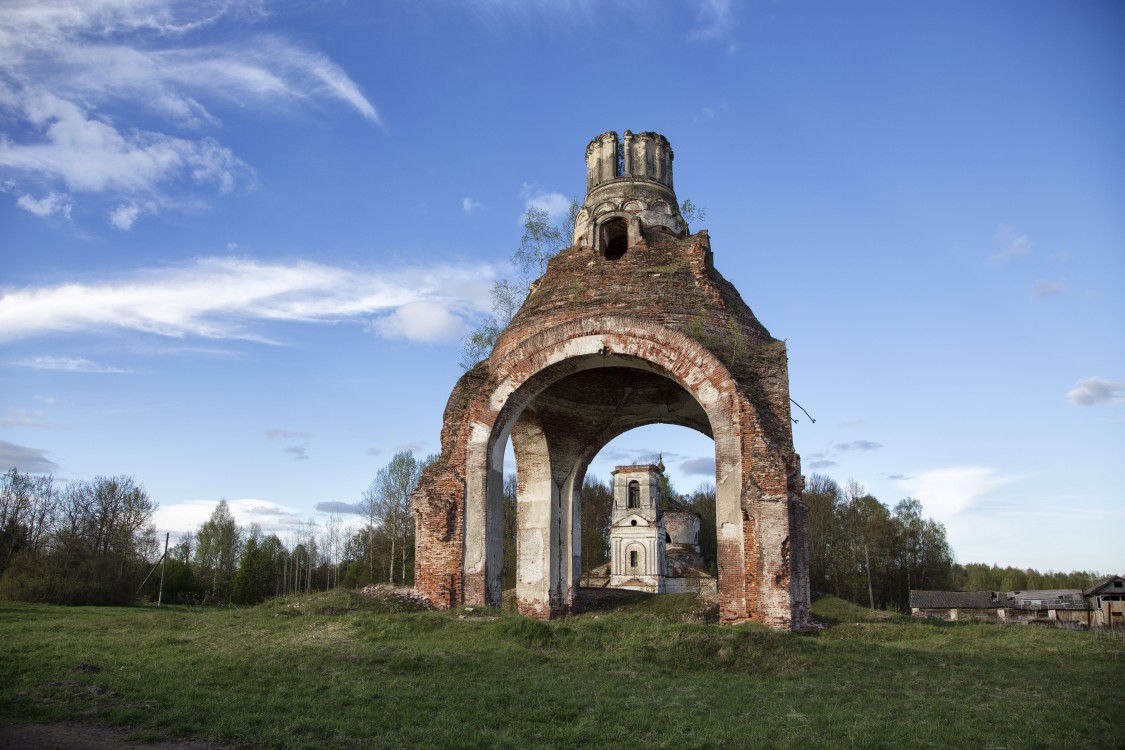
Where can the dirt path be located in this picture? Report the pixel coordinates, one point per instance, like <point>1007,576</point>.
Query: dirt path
<point>84,737</point>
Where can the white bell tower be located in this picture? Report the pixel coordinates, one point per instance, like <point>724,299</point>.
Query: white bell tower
<point>637,535</point>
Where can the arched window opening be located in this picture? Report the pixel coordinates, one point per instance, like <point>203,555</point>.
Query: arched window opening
<point>615,238</point>
<point>632,558</point>
<point>634,494</point>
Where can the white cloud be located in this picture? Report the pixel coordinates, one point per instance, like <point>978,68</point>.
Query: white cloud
<point>1095,390</point>
<point>50,204</point>
<point>124,215</point>
<point>947,492</point>
<point>468,205</point>
<point>412,447</point>
<point>92,155</point>
<point>555,204</point>
<point>76,76</point>
<point>424,320</point>
<point>231,297</point>
<point>188,515</point>
<point>1008,244</point>
<point>67,364</point>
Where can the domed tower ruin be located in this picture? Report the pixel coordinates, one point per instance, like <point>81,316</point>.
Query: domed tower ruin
<point>631,325</point>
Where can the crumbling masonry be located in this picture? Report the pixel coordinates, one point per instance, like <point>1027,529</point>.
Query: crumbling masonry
<point>631,325</point>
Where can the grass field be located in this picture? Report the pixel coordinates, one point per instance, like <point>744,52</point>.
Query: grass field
<point>342,670</point>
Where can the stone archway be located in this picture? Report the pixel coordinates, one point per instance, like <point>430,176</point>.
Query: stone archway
<point>601,346</point>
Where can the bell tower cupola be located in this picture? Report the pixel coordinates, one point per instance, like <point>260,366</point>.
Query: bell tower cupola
<point>628,192</point>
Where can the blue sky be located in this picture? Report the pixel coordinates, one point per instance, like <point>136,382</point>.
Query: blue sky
<point>241,240</point>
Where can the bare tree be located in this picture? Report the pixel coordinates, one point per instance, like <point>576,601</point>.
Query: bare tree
<point>333,541</point>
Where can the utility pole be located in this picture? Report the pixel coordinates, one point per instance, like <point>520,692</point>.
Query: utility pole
<point>163,565</point>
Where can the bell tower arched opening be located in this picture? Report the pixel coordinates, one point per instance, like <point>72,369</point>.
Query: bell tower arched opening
<point>614,238</point>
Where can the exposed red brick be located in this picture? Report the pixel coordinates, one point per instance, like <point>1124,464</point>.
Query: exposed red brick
<point>602,346</point>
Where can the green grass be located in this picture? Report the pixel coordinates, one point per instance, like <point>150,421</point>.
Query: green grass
<point>339,670</point>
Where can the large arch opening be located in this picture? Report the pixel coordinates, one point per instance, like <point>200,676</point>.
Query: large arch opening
<point>561,396</point>
<point>686,458</point>
<point>558,422</point>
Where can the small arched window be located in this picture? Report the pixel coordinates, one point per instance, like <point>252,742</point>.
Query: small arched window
<point>615,238</point>
<point>634,494</point>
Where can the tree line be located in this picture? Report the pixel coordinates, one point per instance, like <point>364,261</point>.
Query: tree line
<point>85,542</point>
<point>94,542</point>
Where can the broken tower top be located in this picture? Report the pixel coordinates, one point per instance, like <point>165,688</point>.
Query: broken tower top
<point>628,181</point>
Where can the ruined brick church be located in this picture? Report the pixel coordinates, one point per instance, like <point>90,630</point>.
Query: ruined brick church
<point>630,326</point>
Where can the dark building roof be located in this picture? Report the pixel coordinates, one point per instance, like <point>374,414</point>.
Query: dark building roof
<point>953,600</point>
<point>1046,599</point>
<point>1115,584</point>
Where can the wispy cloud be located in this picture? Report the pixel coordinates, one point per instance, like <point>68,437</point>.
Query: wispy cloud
<point>30,460</point>
<point>1008,244</point>
<point>716,23</point>
<point>413,447</point>
<point>1049,289</point>
<point>280,434</point>
<point>299,449</point>
<point>947,492</point>
<point>468,205</point>
<point>65,364</point>
<point>50,204</point>
<point>21,418</point>
<point>1095,390</point>
<point>231,298</point>
<point>858,445</point>
<point>80,79</point>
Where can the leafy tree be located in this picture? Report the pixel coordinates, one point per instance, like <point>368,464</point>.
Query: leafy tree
<point>702,503</point>
<point>28,510</point>
<point>823,496</point>
<point>596,498</point>
<point>540,242</point>
<point>89,544</point>
<point>217,545</point>
<point>253,581</point>
<point>386,503</point>
<point>511,490</point>
<point>692,212</point>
